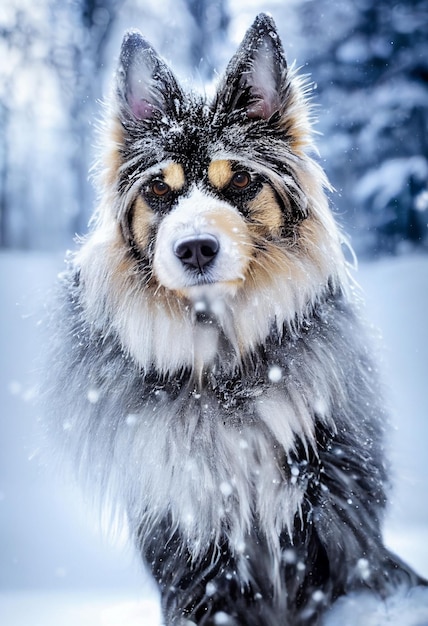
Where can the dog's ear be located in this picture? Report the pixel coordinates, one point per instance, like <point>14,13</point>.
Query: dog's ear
<point>145,84</point>
<point>254,76</point>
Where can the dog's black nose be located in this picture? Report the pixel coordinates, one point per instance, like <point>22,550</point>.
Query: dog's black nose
<point>197,251</point>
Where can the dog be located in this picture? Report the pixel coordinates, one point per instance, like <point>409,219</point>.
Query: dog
<point>210,374</point>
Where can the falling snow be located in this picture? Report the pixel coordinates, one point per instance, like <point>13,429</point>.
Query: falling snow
<point>93,395</point>
<point>275,374</point>
<point>363,568</point>
<point>221,618</point>
<point>226,489</point>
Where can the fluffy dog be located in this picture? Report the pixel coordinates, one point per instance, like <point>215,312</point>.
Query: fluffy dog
<point>211,377</point>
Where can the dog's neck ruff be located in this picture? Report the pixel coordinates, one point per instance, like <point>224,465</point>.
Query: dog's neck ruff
<point>162,330</point>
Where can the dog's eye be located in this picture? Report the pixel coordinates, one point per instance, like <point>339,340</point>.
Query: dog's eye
<point>159,188</point>
<point>240,180</point>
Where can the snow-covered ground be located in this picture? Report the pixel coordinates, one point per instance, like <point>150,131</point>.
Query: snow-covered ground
<point>54,567</point>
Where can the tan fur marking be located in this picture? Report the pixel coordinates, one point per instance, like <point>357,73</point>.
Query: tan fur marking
<point>173,175</point>
<point>220,173</point>
<point>265,211</point>
<point>298,132</point>
<point>296,114</point>
<point>126,280</point>
<point>112,157</point>
<point>142,219</point>
<point>291,264</point>
<point>123,271</point>
<point>229,223</point>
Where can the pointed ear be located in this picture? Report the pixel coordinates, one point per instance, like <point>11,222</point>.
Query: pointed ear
<point>253,78</point>
<point>144,82</point>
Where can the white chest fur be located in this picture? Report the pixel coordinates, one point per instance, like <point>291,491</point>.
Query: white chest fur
<point>211,474</point>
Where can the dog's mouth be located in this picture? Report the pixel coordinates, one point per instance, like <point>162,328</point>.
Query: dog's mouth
<point>200,278</point>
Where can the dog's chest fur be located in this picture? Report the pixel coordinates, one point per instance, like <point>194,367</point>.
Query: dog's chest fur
<point>217,468</point>
<point>218,446</point>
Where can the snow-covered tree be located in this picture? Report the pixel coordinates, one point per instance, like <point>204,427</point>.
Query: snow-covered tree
<point>52,54</point>
<point>370,62</point>
<point>57,61</point>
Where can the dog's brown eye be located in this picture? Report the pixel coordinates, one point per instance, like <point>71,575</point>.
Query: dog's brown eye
<point>159,188</point>
<point>240,180</point>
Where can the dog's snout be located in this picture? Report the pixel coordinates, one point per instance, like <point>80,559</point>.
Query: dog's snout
<point>197,251</point>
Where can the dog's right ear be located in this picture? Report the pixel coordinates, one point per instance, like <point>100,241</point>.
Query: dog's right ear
<point>145,84</point>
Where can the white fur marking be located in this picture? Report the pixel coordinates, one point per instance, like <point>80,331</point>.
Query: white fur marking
<point>195,215</point>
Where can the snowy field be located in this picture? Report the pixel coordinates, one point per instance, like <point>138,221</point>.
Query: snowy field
<point>54,567</point>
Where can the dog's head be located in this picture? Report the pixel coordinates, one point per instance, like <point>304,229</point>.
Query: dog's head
<point>210,203</point>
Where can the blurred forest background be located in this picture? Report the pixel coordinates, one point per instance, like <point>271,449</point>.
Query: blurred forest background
<point>368,60</point>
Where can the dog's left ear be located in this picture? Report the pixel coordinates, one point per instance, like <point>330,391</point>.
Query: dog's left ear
<point>254,76</point>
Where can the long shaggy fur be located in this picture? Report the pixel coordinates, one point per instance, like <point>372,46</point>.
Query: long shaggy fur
<point>210,373</point>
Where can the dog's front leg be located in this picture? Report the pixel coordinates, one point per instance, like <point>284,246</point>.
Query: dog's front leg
<point>223,588</point>
<point>210,591</point>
